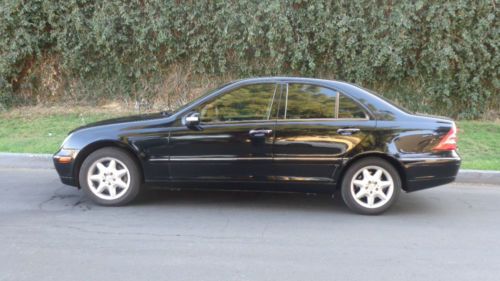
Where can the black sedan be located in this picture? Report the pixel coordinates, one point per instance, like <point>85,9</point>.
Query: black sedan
<point>268,134</point>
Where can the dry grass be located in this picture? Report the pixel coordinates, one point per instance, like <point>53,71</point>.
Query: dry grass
<point>49,89</point>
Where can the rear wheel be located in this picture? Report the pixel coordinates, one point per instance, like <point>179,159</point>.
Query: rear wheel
<point>110,176</point>
<point>371,186</point>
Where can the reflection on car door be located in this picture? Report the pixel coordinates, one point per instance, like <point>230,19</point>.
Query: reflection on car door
<point>313,133</point>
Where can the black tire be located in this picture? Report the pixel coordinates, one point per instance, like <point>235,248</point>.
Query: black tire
<point>348,196</point>
<point>135,176</point>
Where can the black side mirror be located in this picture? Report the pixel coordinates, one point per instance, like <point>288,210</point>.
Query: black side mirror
<point>191,119</point>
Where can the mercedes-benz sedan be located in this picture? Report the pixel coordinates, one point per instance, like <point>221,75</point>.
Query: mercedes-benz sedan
<point>267,134</point>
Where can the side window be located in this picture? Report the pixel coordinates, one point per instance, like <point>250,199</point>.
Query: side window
<point>309,102</point>
<point>350,109</point>
<point>252,102</point>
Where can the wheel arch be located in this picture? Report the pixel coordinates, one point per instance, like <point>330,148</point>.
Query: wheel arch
<point>87,150</point>
<point>393,161</point>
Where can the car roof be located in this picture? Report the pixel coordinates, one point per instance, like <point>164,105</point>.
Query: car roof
<point>290,79</point>
<point>340,85</point>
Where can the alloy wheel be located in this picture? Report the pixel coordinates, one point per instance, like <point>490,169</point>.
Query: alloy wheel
<point>108,178</point>
<point>372,187</point>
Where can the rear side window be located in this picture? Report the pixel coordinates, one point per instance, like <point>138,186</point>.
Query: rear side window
<point>350,109</point>
<point>309,102</point>
<point>305,101</point>
<point>252,102</point>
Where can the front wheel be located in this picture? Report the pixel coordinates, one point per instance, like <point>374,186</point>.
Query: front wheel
<point>371,186</point>
<point>110,177</point>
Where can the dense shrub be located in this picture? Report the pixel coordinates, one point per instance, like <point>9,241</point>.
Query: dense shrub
<point>431,56</point>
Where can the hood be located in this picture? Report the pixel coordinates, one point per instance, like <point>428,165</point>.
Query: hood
<point>125,119</point>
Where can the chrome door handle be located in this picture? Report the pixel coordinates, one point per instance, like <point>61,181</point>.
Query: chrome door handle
<point>260,132</point>
<point>347,131</point>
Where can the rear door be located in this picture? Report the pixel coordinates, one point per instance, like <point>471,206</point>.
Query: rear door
<point>316,128</point>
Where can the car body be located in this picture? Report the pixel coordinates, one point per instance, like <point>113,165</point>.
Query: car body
<point>272,134</point>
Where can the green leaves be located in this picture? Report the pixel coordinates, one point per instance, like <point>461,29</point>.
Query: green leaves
<point>429,56</point>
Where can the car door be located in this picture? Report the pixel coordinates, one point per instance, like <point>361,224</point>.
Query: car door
<point>316,128</point>
<point>233,140</point>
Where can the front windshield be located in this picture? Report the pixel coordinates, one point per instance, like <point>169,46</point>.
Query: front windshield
<point>202,96</point>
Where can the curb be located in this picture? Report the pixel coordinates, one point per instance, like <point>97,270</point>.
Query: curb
<point>479,176</point>
<point>30,155</point>
<point>26,160</point>
<point>44,161</point>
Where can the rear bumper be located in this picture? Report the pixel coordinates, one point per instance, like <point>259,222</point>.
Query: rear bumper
<point>422,173</point>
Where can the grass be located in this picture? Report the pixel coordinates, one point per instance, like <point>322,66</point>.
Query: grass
<point>479,144</point>
<point>42,131</point>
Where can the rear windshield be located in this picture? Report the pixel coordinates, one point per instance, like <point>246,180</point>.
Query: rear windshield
<point>389,101</point>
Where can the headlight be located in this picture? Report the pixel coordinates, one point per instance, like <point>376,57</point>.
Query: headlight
<point>65,155</point>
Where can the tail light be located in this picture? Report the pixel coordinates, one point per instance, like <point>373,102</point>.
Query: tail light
<point>449,141</point>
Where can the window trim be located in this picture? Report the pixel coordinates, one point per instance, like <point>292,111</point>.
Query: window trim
<point>276,84</point>
<point>286,102</point>
<point>270,106</point>
<point>337,105</point>
<point>368,114</point>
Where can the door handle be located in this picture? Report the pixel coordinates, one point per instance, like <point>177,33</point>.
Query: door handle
<point>260,132</point>
<point>347,131</point>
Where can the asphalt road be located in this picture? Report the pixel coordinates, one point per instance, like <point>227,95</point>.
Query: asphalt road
<point>49,231</point>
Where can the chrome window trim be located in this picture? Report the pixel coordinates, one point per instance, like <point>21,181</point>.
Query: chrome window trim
<point>270,106</point>
<point>238,122</point>
<point>308,158</point>
<point>323,119</point>
<point>428,159</point>
<point>286,101</point>
<point>194,158</point>
<point>337,104</point>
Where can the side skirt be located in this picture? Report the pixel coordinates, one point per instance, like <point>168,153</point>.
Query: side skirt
<point>309,187</point>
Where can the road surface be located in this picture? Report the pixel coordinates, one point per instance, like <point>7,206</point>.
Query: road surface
<point>49,231</point>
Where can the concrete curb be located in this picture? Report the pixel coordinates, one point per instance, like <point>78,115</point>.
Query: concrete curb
<point>30,155</point>
<point>44,161</point>
<point>26,160</point>
<point>479,176</point>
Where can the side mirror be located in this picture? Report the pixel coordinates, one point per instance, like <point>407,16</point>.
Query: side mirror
<point>192,119</point>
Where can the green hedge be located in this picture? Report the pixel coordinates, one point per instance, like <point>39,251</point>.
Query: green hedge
<point>432,56</point>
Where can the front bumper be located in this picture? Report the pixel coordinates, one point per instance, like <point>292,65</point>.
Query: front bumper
<point>428,172</point>
<point>65,168</point>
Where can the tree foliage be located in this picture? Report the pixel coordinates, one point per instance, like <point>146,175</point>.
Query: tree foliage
<point>431,56</point>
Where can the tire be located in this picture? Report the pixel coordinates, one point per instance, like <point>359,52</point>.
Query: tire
<point>370,186</point>
<point>107,186</point>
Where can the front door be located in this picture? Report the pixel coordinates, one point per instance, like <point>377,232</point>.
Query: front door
<point>233,141</point>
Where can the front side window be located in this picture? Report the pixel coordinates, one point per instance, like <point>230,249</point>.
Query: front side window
<point>252,102</point>
<point>306,101</point>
